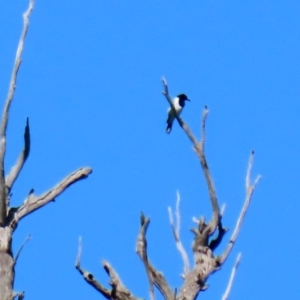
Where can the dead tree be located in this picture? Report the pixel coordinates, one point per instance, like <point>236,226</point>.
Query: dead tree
<point>204,246</point>
<point>10,216</point>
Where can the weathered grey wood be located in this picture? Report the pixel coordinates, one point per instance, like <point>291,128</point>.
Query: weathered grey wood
<point>10,216</point>
<point>118,290</point>
<point>7,272</point>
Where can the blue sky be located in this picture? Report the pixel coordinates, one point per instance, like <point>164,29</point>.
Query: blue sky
<point>90,82</point>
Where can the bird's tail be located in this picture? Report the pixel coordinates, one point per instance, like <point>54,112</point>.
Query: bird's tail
<point>169,127</point>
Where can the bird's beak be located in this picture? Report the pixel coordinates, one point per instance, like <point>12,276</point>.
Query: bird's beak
<point>188,100</point>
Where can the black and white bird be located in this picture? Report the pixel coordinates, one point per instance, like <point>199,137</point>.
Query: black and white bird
<point>178,103</point>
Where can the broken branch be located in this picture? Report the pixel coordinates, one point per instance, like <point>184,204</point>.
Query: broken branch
<point>16,169</point>
<point>154,276</point>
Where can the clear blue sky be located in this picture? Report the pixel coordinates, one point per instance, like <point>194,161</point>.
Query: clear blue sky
<point>90,84</point>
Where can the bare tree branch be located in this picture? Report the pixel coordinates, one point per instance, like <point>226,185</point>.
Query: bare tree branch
<point>205,261</point>
<point>179,119</point>
<point>21,248</point>
<point>118,291</point>
<point>176,233</point>
<point>154,276</point>
<point>16,169</point>
<point>88,277</point>
<point>211,189</point>
<point>229,286</point>
<point>78,258</point>
<point>33,202</point>
<point>141,249</point>
<point>203,123</point>
<point>249,192</point>
<point>12,86</point>
<point>199,149</point>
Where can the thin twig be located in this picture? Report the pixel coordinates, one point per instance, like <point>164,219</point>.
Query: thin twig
<point>249,192</point>
<point>33,202</point>
<point>229,286</point>
<point>21,248</point>
<point>78,258</point>
<point>203,123</point>
<point>176,233</point>
<point>4,122</point>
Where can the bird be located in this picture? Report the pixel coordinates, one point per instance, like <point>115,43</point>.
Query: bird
<point>178,102</point>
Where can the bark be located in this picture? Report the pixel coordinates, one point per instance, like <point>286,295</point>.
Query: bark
<point>7,272</point>
<point>10,216</point>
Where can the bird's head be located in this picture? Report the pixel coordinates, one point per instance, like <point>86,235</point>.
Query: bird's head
<point>182,98</point>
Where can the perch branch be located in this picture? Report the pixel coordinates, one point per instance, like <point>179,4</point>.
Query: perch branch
<point>154,276</point>
<point>16,169</point>
<point>88,277</point>
<point>199,148</point>
<point>229,286</point>
<point>33,202</point>
<point>249,192</point>
<point>3,127</point>
<point>182,124</point>
<point>176,233</point>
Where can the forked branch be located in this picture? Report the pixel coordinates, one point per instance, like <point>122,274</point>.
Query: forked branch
<point>88,277</point>
<point>205,261</point>
<point>118,291</point>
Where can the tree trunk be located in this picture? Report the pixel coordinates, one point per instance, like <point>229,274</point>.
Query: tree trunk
<point>7,272</point>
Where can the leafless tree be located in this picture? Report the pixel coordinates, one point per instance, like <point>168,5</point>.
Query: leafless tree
<point>204,246</point>
<point>10,216</point>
